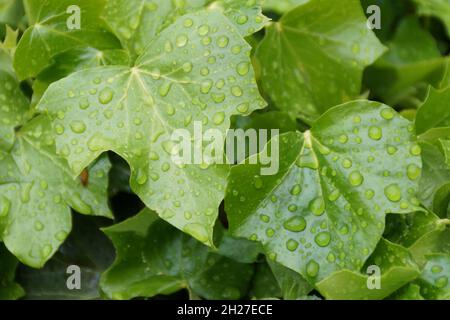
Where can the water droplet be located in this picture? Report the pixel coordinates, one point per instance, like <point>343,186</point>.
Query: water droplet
<point>236,91</point>
<point>222,41</point>
<point>243,68</point>
<point>317,206</point>
<point>270,232</point>
<point>46,251</point>
<point>323,239</point>
<point>38,226</point>
<point>295,224</point>
<point>242,19</point>
<point>413,172</point>
<point>393,193</point>
<point>105,96</point>
<point>441,282</point>
<point>188,23</point>
<point>347,163</point>
<point>415,150</point>
<point>296,190</point>
<point>203,30</point>
<point>291,245</point>
<point>61,235</point>
<point>78,126</point>
<point>334,195</point>
<point>258,184</point>
<point>243,107</point>
<point>219,118</point>
<point>312,269</point>
<point>369,194</point>
<point>164,89</point>
<point>375,133</point>
<point>182,40</point>
<point>5,206</point>
<point>387,114</point>
<point>355,178</point>
<point>436,269</point>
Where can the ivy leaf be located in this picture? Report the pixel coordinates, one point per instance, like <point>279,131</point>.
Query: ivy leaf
<point>11,12</point>
<point>433,113</point>
<point>435,181</point>
<point>155,258</point>
<point>14,104</point>
<point>309,67</point>
<point>421,233</point>
<point>437,8</point>
<point>134,111</point>
<point>292,285</point>
<point>434,280</point>
<point>397,269</point>
<point>9,289</point>
<point>136,21</point>
<point>325,208</point>
<point>264,284</point>
<point>403,74</point>
<point>281,6</point>
<point>36,188</point>
<point>49,34</point>
<point>408,292</point>
<point>87,248</point>
<point>75,60</point>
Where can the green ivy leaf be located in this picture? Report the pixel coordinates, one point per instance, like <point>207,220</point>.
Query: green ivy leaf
<point>292,284</point>
<point>87,248</point>
<point>75,60</point>
<point>137,21</point>
<point>14,104</point>
<point>134,111</point>
<point>408,292</point>
<point>11,11</point>
<point>325,208</point>
<point>9,289</point>
<point>155,258</point>
<point>264,284</point>
<point>437,8</point>
<point>403,74</point>
<point>397,269</point>
<point>433,113</point>
<point>308,67</point>
<point>49,34</point>
<point>281,6</point>
<point>435,182</point>
<point>434,280</point>
<point>36,190</point>
<point>421,232</point>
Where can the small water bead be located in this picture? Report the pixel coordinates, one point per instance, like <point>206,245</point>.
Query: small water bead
<point>343,139</point>
<point>295,224</point>
<point>242,19</point>
<point>38,226</point>
<point>415,150</point>
<point>391,150</point>
<point>312,269</point>
<point>46,251</point>
<point>296,190</point>
<point>218,97</point>
<point>59,129</point>
<point>78,126</point>
<point>243,107</point>
<point>203,30</point>
<point>441,282</point>
<point>222,41</point>
<point>356,178</point>
<point>265,218</point>
<point>375,133</point>
<point>387,114</point>
<point>291,245</point>
<point>243,68</point>
<point>413,172</point>
<point>334,195</point>
<point>5,206</point>
<point>237,91</point>
<point>219,118</point>
<point>188,23</point>
<point>181,40</point>
<point>323,239</point>
<point>436,269</point>
<point>270,232</point>
<point>61,235</point>
<point>393,193</point>
<point>164,89</point>
<point>105,96</point>
<point>369,194</point>
<point>317,206</point>
<point>347,163</point>
<point>292,208</point>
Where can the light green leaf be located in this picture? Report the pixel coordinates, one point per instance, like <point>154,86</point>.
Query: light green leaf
<point>178,82</point>
<point>397,269</point>
<point>408,292</point>
<point>435,182</point>
<point>36,190</point>
<point>14,104</point>
<point>312,60</point>
<point>49,33</point>
<point>437,8</point>
<point>413,62</point>
<point>137,21</point>
<point>75,60</point>
<point>325,208</point>
<point>155,258</point>
<point>281,6</point>
<point>434,280</point>
<point>433,113</point>
<point>86,247</point>
<point>421,232</point>
<point>292,284</point>
<point>9,289</point>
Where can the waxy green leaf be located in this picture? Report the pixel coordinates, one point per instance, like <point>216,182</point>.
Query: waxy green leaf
<point>54,29</point>
<point>134,111</point>
<point>437,8</point>
<point>136,21</point>
<point>396,269</point>
<point>325,209</point>
<point>155,258</point>
<point>281,6</point>
<point>435,278</point>
<point>9,289</point>
<point>313,58</point>
<point>36,190</point>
